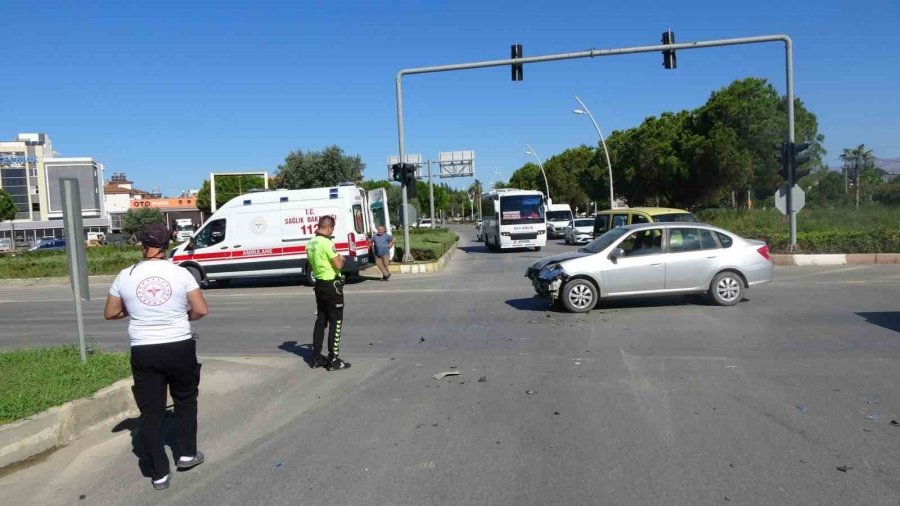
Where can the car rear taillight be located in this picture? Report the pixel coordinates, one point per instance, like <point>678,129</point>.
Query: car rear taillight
<point>764,251</point>
<point>351,241</point>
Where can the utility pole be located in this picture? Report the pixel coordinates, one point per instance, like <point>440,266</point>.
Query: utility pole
<point>431,195</point>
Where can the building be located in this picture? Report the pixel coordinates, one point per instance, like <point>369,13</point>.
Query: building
<point>173,209</point>
<point>119,191</point>
<point>30,172</point>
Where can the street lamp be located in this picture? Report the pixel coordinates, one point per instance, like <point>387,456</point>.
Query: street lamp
<point>531,151</point>
<point>585,110</point>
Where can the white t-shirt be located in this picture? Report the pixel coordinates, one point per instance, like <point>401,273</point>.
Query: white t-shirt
<point>155,295</point>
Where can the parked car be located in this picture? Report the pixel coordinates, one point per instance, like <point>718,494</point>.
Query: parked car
<point>654,259</point>
<point>580,231</point>
<point>425,223</point>
<point>612,218</point>
<point>119,239</point>
<point>49,245</point>
<point>5,244</point>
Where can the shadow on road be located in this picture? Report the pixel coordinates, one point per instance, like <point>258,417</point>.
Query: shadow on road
<point>473,249</point>
<point>304,351</point>
<point>530,304</point>
<point>133,425</point>
<point>887,319</point>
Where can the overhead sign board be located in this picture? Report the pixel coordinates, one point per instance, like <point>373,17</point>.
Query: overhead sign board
<point>189,202</point>
<point>457,163</point>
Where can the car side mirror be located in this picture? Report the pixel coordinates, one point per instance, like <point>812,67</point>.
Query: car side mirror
<point>616,254</point>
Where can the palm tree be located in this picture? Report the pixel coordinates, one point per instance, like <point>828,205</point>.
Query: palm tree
<point>855,160</point>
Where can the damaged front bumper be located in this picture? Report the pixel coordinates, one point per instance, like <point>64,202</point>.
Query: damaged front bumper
<point>547,283</point>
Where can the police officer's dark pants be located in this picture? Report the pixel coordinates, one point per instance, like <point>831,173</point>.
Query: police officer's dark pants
<point>156,366</point>
<point>330,310</point>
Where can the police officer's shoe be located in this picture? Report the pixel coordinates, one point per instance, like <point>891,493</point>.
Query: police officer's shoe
<point>336,363</point>
<point>318,361</point>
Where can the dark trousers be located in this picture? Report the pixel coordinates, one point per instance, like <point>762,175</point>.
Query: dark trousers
<point>154,367</point>
<point>330,313</point>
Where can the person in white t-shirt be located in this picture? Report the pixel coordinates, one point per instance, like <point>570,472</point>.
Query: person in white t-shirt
<point>161,299</point>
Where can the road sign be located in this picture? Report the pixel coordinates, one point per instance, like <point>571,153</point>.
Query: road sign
<point>457,164</point>
<point>70,196</point>
<point>798,199</point>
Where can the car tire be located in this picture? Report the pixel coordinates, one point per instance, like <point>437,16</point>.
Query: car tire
<point>198,276</point>
<point>537,248</point>
<point>579,296</point>
<point>726,289</point>
<point>308,277</point>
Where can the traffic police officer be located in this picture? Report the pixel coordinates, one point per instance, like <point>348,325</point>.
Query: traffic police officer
<point>326,266</point>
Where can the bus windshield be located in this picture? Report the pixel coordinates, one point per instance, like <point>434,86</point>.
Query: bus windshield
<point>559,215</point>
<point>517,209</point>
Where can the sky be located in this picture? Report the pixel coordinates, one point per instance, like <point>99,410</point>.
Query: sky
<point>169,92</point>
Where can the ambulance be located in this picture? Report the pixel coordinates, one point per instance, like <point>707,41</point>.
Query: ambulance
<point>266,233</point>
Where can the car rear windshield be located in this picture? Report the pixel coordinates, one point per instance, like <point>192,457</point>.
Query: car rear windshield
<point>675,218</point>
<point>584,223</point>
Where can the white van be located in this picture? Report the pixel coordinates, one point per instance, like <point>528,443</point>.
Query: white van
<point>558,218</point>
<point>266,233</point>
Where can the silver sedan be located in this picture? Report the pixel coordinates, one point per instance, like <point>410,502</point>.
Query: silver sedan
<point>654,259</point>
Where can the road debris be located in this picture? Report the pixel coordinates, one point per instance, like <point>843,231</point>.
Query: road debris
<point>482,379</point>
<point>895,423</point>
<point>800,407</point>
<point>869,416</point>
<point>442,375</point>
<point>843,468</point>
<point>556,412</point>
<point>422,339</point>
<point>279,464</point>
<point>875,399</point>
<point>530,392</point>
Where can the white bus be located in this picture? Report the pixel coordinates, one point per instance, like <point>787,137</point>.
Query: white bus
<point>514,219</point>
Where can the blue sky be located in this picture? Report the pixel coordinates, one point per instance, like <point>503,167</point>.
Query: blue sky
<point>168,92</point>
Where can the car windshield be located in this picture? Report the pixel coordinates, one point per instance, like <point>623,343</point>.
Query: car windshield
<point>516,209</point>
<point>675,218</point>
<point>584,223</point>
<point>188,227</point>
<point>604,241</point>
<point>559,215</point>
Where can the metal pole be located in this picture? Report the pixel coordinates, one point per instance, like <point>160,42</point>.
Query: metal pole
<point>789,201</point>
<point>606,151</point>
<point>541,165</point>
<point>407,256</point>
<point>212,192</point>
<point>431,195</point>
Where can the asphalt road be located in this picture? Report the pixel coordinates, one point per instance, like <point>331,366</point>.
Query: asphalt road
<point>667,401</point>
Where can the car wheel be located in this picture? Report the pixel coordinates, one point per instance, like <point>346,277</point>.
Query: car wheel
<point>310,277</point>
<point>579,296</point>
<point>537,248</point>
<point>726,289</point>
<point>198,277</point>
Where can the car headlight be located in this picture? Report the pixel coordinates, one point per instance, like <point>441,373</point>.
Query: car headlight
<point>551,271</point>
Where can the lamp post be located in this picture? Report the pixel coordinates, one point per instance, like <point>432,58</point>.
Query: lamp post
<point>531,151</point>
<point>585,110</point>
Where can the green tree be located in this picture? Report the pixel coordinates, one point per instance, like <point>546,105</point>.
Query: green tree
<point>8,212</point>
<point>136,219</point>
<point>573,176</point>
<point>315,169</point>
<point>527,177</point>
<point>227,188</point>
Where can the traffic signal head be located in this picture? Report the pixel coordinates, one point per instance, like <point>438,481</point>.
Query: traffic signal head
<point>783,157</point>
<point>515,51</point>
<point>669,60</point>
<point>397,172</point>
<point>799,156</point>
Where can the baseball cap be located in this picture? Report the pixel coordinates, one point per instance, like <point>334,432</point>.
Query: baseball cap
<point>155,235</point>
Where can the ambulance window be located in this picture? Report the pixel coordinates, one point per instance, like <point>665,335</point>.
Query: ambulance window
<point>358,223</point>
<point>213,233</point>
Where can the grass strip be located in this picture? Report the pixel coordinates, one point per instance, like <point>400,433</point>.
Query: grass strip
<point>37,379</point>
<point>428,245</point>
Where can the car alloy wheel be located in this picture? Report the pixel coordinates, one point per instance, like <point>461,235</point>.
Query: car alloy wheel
<point>727,289</point>
<point>579,296</point>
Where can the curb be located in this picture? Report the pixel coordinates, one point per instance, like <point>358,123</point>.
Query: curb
<point>61,425</point>
<point>838,259</point>
<point>100,278</point>
<point>425,267</point>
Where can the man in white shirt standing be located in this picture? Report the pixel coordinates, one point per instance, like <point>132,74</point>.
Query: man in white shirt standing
<point>161,300</point>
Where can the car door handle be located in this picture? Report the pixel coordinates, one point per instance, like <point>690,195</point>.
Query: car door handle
<point>713,256</point>
<point>224,247</point>
<point>656,264</point>
<point>236,246</point>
